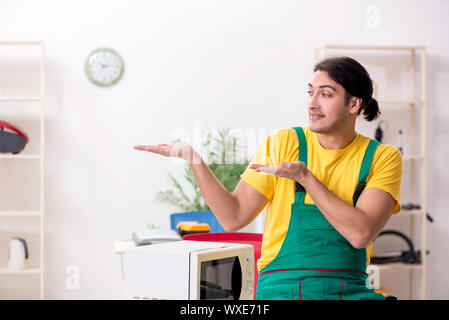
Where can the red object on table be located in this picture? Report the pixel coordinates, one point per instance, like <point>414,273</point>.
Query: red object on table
<point>254,239</point>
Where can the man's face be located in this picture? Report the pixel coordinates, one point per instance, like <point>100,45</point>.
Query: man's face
<point>326,105</point>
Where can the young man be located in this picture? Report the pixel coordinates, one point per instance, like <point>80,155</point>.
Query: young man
<point>328,191</point>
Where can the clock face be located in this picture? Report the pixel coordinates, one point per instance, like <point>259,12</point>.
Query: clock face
<point>104,67</point>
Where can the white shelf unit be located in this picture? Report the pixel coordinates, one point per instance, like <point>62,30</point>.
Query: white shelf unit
<point>416,160</point>
<point>39,213</point>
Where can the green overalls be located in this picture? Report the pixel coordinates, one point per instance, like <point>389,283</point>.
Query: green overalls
<point>315,261</point>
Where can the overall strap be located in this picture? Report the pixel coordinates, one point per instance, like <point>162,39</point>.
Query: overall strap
<point>365,169</point>
<point>302,156</point>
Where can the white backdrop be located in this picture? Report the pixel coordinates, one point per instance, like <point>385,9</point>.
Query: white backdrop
<point>242,64</point>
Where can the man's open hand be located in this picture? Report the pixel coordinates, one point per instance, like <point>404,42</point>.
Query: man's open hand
<point>177,149</point>
<point>292,170</point>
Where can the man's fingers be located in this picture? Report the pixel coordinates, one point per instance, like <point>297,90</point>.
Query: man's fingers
<point>145,148</point>
<point>156,149</point>
<point>268,169</point>
<point>177,149</point>
<point>286,165</point>
<point>264,168</point>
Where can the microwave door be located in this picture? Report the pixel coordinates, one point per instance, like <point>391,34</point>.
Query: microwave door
<point>222,273</point>
<point>220,279</point>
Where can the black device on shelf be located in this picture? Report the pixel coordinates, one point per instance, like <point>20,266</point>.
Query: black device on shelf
<point>11,141</point>
<point>413,206</point>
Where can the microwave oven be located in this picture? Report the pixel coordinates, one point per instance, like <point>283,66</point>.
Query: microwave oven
<point>189,270</point>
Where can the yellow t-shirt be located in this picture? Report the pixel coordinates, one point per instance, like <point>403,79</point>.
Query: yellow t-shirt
<point>338,170</point>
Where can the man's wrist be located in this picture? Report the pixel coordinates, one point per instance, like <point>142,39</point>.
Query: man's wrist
<point>194,157</point>
<point>305,178</point>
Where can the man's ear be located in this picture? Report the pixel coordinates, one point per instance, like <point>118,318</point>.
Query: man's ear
<point>354,105</point>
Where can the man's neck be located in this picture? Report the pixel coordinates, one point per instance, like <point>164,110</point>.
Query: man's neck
<point>336,141</point>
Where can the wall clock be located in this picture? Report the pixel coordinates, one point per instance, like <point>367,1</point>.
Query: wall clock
<point>104,67</point>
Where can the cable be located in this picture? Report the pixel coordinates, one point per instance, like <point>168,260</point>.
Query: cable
<point>408,256</point>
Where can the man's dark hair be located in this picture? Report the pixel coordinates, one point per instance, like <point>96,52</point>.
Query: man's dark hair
<point>352,76</point>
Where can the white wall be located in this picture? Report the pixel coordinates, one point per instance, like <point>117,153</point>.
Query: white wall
<point>241,64</point>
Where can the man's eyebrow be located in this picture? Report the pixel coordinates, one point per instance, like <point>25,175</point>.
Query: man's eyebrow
<point>324,86</point>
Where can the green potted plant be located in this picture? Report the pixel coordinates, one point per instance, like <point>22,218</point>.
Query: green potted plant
<point>217,153</point>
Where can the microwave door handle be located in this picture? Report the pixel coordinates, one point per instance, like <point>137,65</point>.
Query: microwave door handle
<point>236,278</point>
